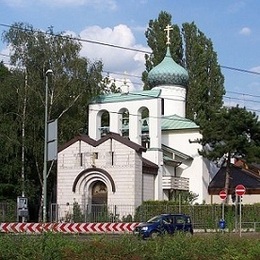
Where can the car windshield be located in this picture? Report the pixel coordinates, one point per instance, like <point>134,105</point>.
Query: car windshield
<point>154,219</point>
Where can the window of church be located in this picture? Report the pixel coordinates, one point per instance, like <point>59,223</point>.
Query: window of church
<point>125,123</point>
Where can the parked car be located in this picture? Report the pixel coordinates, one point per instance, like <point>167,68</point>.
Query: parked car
<point>163,224</point>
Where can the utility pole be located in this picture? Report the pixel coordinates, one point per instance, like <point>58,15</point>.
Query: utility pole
<point>49,71</point>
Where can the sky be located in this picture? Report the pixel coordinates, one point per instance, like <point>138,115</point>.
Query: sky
<point>232,25</point>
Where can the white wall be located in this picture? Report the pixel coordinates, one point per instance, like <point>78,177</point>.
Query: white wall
<point>126,173</point>
<point>195,170</point>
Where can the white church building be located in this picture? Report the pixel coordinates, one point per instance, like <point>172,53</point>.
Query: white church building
<point>139,147</point>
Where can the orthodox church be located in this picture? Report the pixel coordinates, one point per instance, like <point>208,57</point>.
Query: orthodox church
<point>139,147</point>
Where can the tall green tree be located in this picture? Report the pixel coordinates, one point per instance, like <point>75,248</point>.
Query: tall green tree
<point>232,132</point>
<point>206,82</point>
<point>194,51</point>
<point>10,122</point>
<point>75,80</point>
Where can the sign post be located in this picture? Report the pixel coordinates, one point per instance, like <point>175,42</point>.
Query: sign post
<point>240,191</point>
<point>22,208</point>
<point>223,196</point>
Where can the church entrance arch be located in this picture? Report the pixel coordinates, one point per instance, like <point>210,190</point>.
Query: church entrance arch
<point>99,193</point>
<point>98,200</point>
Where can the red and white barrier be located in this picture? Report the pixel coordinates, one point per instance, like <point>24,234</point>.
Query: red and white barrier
<point>67,227</point>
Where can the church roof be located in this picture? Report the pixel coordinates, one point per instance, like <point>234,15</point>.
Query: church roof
<point>138,148</point>
<point>168,72</point>
<point>175,122</point>
<point>131,96</point>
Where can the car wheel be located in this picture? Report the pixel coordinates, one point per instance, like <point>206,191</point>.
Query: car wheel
<point>154,234</point>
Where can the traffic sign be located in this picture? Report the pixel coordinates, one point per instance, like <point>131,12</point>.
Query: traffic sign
<point>223,194</point>
<point>240,190</point>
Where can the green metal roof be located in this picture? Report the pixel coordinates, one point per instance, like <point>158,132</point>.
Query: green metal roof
<point>175,122</point>
<point>122,97</point>
<point>172,122</point>
<point>168,72</point>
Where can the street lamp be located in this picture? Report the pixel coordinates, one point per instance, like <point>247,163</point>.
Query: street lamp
<point>49,71</point>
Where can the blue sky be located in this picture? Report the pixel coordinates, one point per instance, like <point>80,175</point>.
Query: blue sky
<point>232,25</point>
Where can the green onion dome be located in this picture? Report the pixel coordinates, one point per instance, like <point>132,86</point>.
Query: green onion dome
<point>168,72</point>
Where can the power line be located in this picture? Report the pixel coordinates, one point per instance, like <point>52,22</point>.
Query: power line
<point>80,39</point>
<point>240,99</point>
<point>241,70</point>
<point>136,50</point>
<point>240,93</point>
<point>118,46</point>
<point>140,84</point>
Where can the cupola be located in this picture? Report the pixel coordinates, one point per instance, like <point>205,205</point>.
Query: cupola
<point>168,72</point>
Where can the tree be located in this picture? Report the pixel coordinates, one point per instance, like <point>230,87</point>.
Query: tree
<point>191,49</point>
<point>232,132</point>
<point>206,82</point>
<point>74,82</point>
<point>10,122</point>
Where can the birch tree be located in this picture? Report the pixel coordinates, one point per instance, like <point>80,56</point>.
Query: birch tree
<point>75,80</point>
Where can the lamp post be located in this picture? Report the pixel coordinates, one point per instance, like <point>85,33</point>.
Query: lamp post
<point>49,71</point>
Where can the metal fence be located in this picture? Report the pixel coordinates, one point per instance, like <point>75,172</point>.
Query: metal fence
<point>92,213</point>
<point>204,217</point>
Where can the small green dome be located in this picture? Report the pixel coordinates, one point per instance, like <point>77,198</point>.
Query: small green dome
<point>168,72</point>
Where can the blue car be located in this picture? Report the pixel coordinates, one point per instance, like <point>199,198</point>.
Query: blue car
<point>164,224</point>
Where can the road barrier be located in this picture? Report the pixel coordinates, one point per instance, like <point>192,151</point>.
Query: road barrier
<point>82,228</point>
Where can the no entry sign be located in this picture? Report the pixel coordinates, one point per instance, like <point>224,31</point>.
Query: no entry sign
<point>222,194</point>
<point>240,190</point>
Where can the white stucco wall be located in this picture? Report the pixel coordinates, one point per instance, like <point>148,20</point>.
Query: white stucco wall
<point>148,187</point>
<point>174,97</point>
<point>126,173</point>
<point>196,170</point>
<point>134,108</point>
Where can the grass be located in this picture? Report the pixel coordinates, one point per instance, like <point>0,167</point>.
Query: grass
<point>60,246</point>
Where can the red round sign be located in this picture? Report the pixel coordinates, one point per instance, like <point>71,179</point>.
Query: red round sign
<point>240,190</point>
<point>222,194</point>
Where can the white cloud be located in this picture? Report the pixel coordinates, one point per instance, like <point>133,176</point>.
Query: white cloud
<point>119,62</point>
<point>115,60</point>
<point>245,31</point>
<point>255,69</point>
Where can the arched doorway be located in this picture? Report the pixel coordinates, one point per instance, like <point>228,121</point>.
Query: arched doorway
<point>99,193</point>
<point>99,201</point>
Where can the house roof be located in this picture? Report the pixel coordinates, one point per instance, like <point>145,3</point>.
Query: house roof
<point>238,175</point>
<point>138,148</point>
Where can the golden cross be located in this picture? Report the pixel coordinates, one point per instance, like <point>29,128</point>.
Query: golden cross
<point>168,29</point>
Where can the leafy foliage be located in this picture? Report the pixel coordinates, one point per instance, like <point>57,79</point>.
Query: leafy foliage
<point>234,131</point>
<point>74,81</point>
